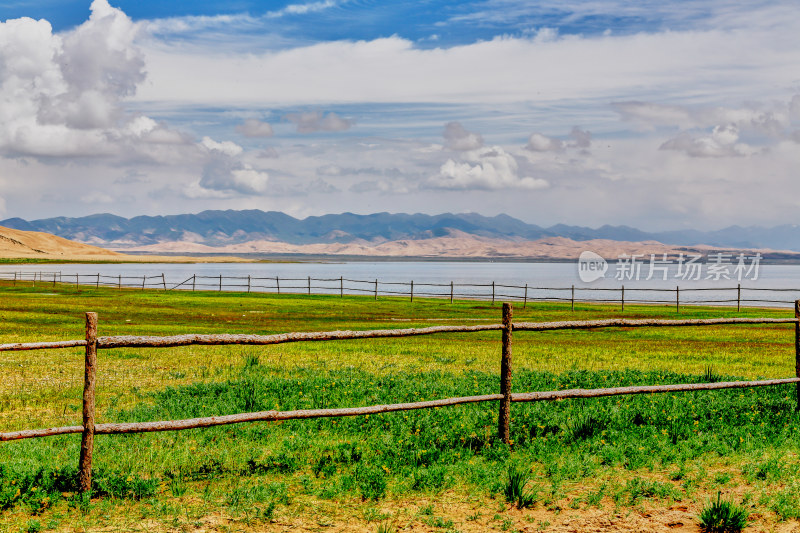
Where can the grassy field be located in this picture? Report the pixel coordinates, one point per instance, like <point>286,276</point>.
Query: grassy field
<point>623,463</point>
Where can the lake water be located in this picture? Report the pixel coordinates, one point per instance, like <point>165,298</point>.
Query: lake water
<point>777,285</point>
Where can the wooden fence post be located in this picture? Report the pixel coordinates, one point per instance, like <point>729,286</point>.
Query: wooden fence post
<point>144,280</point>
<point>309,285</point>
<point>492,293</point>
<point>194,280</point>
<point>572,299</point>
<point>376,289</point>
<point>341,286</point>
<point>220,283</point>
<point>525,297</point>
<point>677,299</point>
<point>163,281</point>
<point>451,292</point>
<point>87,441</point>
<point>412,290</point>
<point>278,284</point>
<point>738,297</point>
<point>119,282</point>
<point>248,283</point>
<point>622,299</point>
<point>797,350</point>
<point>97,284</point>
<point>504,418</point>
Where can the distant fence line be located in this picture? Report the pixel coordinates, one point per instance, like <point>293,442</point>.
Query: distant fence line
<point>473,291</point>
<point>93,343</point>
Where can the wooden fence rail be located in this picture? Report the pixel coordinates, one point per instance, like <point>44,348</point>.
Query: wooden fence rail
<point>92,343</point>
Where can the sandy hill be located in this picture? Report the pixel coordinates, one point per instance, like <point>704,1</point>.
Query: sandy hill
<point>456,245</point>
<point>37,245</point>
<point>18,244</point>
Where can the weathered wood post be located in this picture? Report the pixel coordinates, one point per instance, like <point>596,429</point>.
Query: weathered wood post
<point>622,298</point>
<point>248,283</point>
<point>87,441</point>
<point>525,297</point>
<point>677,299</point>
<point>376,289</point>
<point>572,299</point>
<point>738,297</point>
<point>797,350</point>
<point>309,285</point>
<point>493,293</point>
<point>412,290</point>
<point>451,292</point>
<point>163,281</point>
<point>97,283</point>
<point>504,418</point>
<point>341,286</point>
<point>194,280</point>
<point>119,282</point>
<point>278,284</point>
<point>144,280</point>
<point>220,283</point>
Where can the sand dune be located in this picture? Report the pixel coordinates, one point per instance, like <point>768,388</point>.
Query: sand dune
<point>17,244</point>
<point>456,245</point>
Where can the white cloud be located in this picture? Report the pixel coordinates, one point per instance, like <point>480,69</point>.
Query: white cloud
<point>458,138</point>
<point>721,143</point>
<point>315,121</point>
<point>489,168</point>
<point>736,63</point>
<point>538,142</point>
<point>228,148</point>
<point>255,128</point>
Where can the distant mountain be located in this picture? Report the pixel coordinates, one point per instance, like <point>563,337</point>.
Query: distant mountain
<point>223,228</point>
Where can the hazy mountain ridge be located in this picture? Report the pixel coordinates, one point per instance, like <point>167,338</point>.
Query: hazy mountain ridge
<point>231,227</point>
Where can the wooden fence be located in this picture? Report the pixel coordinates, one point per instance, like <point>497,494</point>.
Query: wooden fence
<point>92,343</point>
<point>493,291</point>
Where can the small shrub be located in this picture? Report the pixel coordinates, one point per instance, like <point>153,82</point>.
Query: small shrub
<point>371,482</point>
<point>723,516</point>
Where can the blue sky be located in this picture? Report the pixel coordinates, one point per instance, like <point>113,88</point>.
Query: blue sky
<point>651,114</point>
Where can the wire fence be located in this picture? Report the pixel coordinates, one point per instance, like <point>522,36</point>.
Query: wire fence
<point>489,291</point>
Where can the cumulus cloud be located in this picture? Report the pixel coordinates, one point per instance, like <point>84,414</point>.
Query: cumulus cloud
<point>60,94</point>
<point>489,168</point>
<point>228,148</point>
<point>224,172</point>
<point>254,128</point>
<point>314,121</point>
<point>538,142</point>
<point>721,143</point>
<point>458,138</point>
<point>580,138</point>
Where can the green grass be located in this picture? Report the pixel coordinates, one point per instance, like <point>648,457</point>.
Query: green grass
<point>614,452</point>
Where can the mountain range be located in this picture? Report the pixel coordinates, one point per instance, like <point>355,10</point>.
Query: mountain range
<point>230,227</point>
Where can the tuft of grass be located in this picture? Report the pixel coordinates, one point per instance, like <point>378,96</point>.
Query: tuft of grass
<point>515,489</point>
<point>723,516</point>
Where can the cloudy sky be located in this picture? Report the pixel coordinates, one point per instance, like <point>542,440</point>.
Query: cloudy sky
<point>660,115</point>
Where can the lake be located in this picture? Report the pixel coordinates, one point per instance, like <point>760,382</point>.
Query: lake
<point>773,284</point>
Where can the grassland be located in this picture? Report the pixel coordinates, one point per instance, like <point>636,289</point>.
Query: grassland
<point>623,463</point>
